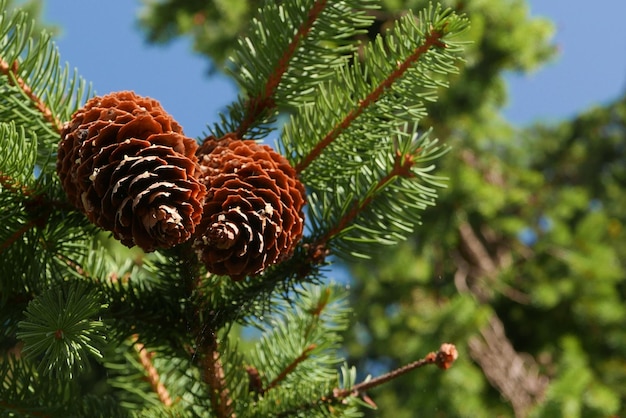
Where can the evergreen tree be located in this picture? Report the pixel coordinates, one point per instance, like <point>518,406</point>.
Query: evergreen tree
<point>133,256</point>
<point>521,264</point>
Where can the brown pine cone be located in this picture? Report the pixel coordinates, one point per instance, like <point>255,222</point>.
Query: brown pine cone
<point>252,216</point>
<point>126,163</point>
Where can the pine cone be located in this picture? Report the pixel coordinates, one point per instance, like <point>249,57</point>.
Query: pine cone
<point>126,163</point>
<point>252,216</point>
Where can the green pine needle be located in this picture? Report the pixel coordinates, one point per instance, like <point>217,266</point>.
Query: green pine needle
<point>38,92</point>
<point>18,155</point>
<point>61,332</point>
<point>290,49</point>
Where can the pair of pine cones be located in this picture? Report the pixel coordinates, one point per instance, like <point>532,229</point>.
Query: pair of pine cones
<point>127,165</point>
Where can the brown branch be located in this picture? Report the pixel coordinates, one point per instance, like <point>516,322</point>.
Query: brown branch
<point>255,106</point>
<point>432,40</point>
<point>11,71</point>
<point>145,359</point>
<point>515,375</point>
<point>214,376</point>
<point>477,269</point>
<point>443,358</point>
<point>477,251</point>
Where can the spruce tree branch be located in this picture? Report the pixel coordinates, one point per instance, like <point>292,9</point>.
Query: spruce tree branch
<point>264,102</point>
<point>214,376</point>
<point>17,234</point>
<point>316,313</point>
<point>443,358</point>
<point>290,368</point>
<point>35,204</point>
<point>33,196</point>
<point>432,40</point>
<point>11,71</point>
<point>401,168</point>
<point>145,358</point>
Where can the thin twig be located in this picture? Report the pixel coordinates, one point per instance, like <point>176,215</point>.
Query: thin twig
<point>432,40</point>
<point>145,358</point>
<point>11,71</point>
<point>444,358</point>
<point>255,106</point>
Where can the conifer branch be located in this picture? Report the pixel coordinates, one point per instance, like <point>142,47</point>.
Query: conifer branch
<point>443,358</point>
<point>256,106</point>
<point>6,182</point>
<point>11,71</point>
<point>256,385</point>
<point>23,410</point>
<point>145,358</point>
<point>17,234</point>
<point>432,40</point>
<point>214,376</point>
<point>401,168</point>
<point>290,368</point>
<point>37,205</point>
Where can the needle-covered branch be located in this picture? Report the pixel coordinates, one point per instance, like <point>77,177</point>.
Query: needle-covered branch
<point>350,392</point>
<point>40,93</point>
<point>12,73</point>
<point>291,47</point>
<point>370,98</point>
<point>161,323</point>
<point>145,358</point>
<point>432,40</point>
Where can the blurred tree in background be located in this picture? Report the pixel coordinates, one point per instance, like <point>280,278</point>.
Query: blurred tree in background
<point>521,264</point>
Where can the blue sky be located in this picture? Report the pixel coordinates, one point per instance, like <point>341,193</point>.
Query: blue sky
<point>589,70</point>
<point>102,41</point>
